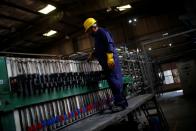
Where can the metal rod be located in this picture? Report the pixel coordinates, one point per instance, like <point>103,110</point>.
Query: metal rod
<point>176,54</point>
<point>167,37</point>
<point>164,48</point>
<point>29,54</point>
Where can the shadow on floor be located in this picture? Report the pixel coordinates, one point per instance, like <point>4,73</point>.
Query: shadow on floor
<point>179,111</point>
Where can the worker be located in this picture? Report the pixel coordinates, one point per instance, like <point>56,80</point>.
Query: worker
<point>105,52</point>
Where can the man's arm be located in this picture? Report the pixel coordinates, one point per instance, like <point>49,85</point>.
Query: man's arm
<point>110,49</point>
<point>109,41</point>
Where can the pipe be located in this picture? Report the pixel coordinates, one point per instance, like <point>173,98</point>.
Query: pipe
<point>167,37</point>
<point>29,54</point>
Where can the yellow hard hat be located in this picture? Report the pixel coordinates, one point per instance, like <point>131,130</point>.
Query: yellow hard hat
<point>88,23</point>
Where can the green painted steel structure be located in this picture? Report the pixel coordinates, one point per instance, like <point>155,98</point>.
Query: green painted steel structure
<point>10,102</point>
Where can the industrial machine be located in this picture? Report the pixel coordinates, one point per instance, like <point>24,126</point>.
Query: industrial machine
<point>47,94</point>
<point>141,68</point>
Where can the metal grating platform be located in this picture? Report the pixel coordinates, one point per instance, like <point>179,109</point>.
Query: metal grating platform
<point>100,121</point>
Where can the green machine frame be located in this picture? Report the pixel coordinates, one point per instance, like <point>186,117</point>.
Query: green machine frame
<point>10,102</point>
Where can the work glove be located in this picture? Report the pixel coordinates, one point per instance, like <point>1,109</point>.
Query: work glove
<point>110,60</point>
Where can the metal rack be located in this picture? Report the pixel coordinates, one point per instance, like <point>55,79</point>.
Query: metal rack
<point>139,66</point>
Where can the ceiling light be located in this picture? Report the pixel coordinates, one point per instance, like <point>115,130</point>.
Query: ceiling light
<point>124,7</point>
<point>170,44</point>
<point>134,19</point>
<point>130,21</point>
<point>121,9</point>
<point>50,33</point>
<point>149,49</point>
<point>49,8</point>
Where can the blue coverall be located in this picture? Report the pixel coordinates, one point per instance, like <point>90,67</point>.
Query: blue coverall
<point>104,44</point>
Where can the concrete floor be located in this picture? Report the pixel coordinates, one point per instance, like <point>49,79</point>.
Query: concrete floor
<point>179,110</point>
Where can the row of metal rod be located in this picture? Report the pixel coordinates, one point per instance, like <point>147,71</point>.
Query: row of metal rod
<point>35,76</point>
<point>53,115</point>
<point>17,66</point>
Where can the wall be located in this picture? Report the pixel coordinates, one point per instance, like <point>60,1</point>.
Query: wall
<point>84,42</point>
<point>177,84</point>
<point>146,27</point>
<point>122,32</point>
<point>187,71</point>
<point>63,47</point>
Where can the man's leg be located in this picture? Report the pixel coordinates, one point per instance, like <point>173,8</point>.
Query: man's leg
<point>116,86</point>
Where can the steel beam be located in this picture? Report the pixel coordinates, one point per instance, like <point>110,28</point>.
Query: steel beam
<point>40,25</point>
<point>98,5</point>
<point>19,7</point>
<point>172,56</point>
<point>4,27</point>
<point>15,19</point>
<point>168,37</point>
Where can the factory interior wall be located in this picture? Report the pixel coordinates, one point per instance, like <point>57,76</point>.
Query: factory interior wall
<point>85,43</point>
<point>152,24</point>
<point>67,47</point>
<point>62,47</point>
<point>187,72</point>
<point>149,28</point>
<point>176,85</point>
<point>122,33</point>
